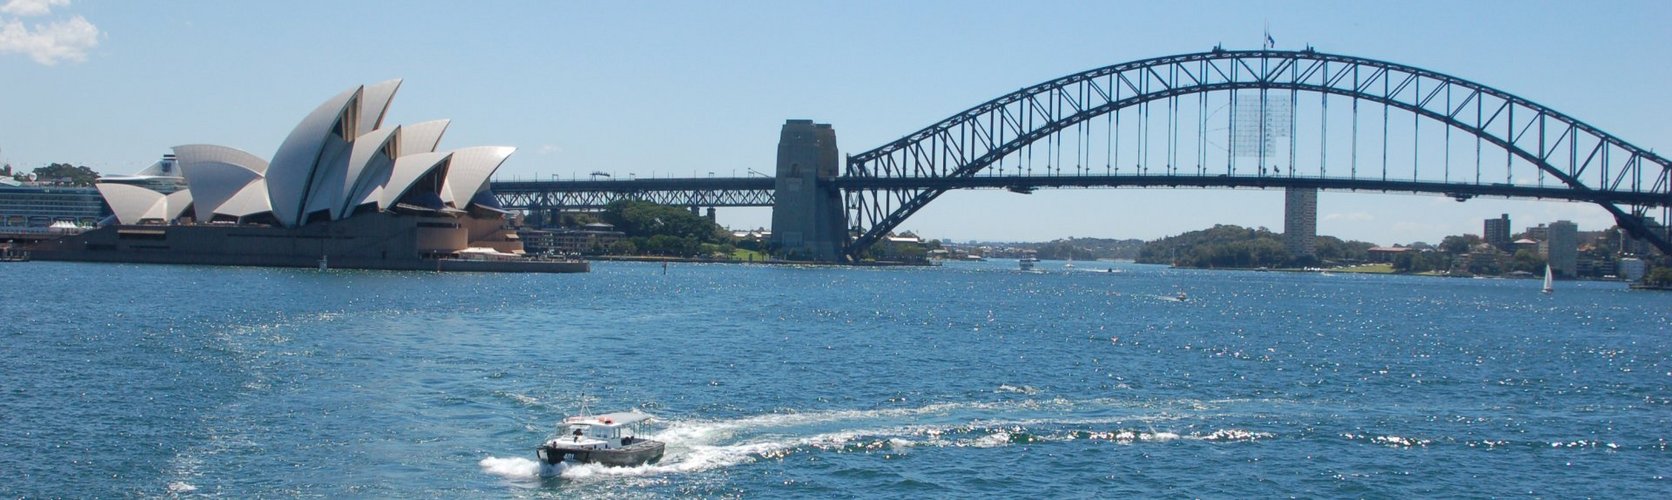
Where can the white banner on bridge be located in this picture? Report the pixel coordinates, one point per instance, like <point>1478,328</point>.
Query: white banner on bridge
<point>1259,122</point>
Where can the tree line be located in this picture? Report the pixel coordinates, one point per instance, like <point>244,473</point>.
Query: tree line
<point>1232,246</point>
<point>662,230</point>
<point>57,173</point>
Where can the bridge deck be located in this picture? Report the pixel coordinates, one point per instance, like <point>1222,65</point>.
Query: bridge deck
<point>710,191</point>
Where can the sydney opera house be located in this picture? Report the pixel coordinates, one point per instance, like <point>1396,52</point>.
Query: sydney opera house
<point>344,190</point>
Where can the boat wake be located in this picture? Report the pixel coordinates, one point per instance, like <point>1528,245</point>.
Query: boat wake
<point>703,445</point>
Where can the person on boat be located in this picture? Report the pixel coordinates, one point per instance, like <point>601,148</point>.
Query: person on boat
<point>577,434</point>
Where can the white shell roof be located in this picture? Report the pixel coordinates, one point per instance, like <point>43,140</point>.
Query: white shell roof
<point>325,192</point>
<point>408,169</point>
<point>298,157</point>
<point>319,166</point>
<point>214,174</point>
<point>374,103</point>
<point>176,203</point>
<point>422,137</point>
<point>248,201</point>
<point>133,203</point>
<point>368,167</point>
<point>197,153</point>
<point>470,170</point>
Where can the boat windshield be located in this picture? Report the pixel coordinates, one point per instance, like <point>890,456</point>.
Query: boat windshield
<point>592,431</point>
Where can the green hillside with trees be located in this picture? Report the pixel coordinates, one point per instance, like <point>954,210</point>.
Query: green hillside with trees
<point>1231,246</point>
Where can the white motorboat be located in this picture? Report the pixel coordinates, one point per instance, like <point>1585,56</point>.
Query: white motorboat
<point>608,439</point>
<point>1027,263</point>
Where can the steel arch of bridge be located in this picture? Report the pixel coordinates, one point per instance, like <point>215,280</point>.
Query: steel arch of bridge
<point>886,185</point>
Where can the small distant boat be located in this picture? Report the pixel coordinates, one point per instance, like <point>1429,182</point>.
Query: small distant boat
<point>608,439</point>
<point>1026,263</point>
<point>1549,280</point>
<point>1181,297</point>
<point>11,254</point>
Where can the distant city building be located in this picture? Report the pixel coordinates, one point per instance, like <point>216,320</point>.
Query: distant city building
<point>1537,233</point>
<point>900,247</point>
<point>1497,232</point>
<point>1386,254</point>
<point>1561,249</point>
<point>589,239</point>
<point>1300,221</point>
<point>24,206</point>
<point>1632,269</point>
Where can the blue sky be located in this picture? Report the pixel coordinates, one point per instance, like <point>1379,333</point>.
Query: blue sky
<point>683,88</point>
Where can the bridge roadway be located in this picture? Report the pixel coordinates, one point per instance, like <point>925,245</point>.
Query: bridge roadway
<point>595,194</point>
<point>757,191</point>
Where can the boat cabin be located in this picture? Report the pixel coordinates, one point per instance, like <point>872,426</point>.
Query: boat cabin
<point>610,430</point>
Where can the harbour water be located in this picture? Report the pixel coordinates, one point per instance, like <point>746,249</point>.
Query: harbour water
<point>972,379</point>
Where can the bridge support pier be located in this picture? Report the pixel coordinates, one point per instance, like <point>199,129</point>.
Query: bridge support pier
<point>1300,221</point>
<point>808,218</point>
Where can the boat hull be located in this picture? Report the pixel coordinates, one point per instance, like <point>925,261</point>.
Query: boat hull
<point>640,452</point>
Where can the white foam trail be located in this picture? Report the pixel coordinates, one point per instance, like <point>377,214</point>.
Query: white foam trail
<point>702,445</point>
<point>524,399</point>
<point>1399,442</point>
<point>511,468</point>
<point>993,440</point>
<point>1024,389</point>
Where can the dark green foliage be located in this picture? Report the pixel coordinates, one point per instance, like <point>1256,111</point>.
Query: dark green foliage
<point>1419,261</point>
<point>576,219</point>
<point>624,247</point>
<point>1527,260</point>
<point>660,229</point>
<point>1065,250</point>
<point>1333,249</point>
<point>1661,276</point>
<point>1459,244</point>
<point>1236,246</point>
<point>1220,246</point>
<point>67,174</point>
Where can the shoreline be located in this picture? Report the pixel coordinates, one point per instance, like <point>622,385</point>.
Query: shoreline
<point>770,262</point>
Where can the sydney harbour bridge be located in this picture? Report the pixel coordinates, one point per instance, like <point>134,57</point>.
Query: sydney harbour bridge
<point>1296,120</point>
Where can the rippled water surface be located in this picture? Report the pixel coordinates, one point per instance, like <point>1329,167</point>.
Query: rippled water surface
<point>972,379</point>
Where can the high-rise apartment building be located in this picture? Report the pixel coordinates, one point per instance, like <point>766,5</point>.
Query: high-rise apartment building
<point>1497,232</point>
<point>1561,248</point>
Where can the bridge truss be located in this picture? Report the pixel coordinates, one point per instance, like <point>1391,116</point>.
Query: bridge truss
<point>1308,119</point>
<point>597,194</point>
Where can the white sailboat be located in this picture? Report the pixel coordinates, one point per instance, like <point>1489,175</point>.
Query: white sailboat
<point>1548,280</point>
